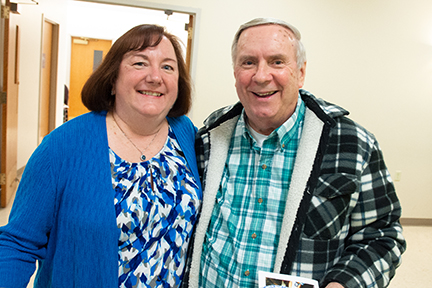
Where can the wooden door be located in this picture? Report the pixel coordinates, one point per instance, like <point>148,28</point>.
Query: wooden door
<point>86,55</point>
<point>9,107</point>
<point>44,100</point>
<point>48,97</point>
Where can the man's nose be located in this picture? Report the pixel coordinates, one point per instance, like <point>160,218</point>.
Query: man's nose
<point>262,74</point>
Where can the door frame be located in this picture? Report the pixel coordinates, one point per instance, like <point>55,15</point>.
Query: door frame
<point>10,38</point>
<point>51,113</point>
<point>196,13</point>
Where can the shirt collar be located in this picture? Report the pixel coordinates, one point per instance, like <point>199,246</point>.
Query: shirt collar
<point>283,133</point>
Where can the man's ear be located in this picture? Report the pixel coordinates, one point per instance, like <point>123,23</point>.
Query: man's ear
<point>302,75</point>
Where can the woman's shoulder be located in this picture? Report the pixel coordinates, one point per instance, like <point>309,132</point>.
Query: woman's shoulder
<point>182,124</point>
<point>86,125</point>
<point>87,121</point>
<point>182,120</point>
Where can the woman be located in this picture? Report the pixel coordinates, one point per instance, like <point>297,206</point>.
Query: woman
<point>110,198</point>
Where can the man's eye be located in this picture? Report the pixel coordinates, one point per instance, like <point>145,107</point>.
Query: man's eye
<point>248,63</point>
<point>278,62</point>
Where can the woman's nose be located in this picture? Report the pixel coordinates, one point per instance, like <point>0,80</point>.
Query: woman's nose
<point>154,76</point>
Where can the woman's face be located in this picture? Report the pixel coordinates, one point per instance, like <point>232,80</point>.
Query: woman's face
<point>147,82</point>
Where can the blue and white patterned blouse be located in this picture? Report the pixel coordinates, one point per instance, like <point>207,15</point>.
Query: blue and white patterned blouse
<point>156,204</point>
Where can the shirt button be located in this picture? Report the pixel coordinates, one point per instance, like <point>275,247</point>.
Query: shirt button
<point>247,273</point>
<point>254,236</point>
<point>260,200</point>
<point>264,166</point>
<point>283,145</point>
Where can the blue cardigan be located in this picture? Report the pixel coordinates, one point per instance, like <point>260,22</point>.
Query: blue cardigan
<point>63,214</point>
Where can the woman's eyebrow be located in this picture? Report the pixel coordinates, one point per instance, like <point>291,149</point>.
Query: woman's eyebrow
<point>145,57</point>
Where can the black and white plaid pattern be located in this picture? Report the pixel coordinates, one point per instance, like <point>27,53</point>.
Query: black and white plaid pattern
<point>351,233</point>
<point>347,226</point>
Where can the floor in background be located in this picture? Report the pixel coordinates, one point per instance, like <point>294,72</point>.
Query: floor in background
<point>415,270</point>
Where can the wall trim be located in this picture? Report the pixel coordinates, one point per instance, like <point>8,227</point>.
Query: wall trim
<point>20,172</point>
<point>415,222</point>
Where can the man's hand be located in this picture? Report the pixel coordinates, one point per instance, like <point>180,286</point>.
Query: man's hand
<point>334,285</point>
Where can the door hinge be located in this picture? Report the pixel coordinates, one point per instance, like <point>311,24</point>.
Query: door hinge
<point>3,98</point>
<point>189,29</point>
<point>2,179</point>
<point>5,11</point>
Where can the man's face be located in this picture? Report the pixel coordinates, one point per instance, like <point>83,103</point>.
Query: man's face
<point>267,76</point>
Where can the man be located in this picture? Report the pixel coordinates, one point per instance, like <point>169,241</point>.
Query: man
<point>291,185</point>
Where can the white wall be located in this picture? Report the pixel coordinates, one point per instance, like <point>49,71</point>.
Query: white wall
<point>372,57</point>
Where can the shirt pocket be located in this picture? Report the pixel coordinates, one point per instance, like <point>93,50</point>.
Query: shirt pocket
<point>328,214</point>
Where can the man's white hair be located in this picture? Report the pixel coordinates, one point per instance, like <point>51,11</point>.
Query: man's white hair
<point>300,50</point>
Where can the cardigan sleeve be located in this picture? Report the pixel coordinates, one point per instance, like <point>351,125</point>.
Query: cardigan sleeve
<point>24,239</point>
<point>185,133</point>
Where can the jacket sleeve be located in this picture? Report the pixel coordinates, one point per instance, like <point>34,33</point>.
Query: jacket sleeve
<point>374,243</point>
<point>24,239</point>
<point>201,146</point>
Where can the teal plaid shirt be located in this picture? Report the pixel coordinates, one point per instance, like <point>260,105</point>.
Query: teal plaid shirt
<point>243,233</point>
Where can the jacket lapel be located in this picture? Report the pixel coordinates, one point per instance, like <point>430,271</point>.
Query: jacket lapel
<point>220,138</point>
<point>305,159</point>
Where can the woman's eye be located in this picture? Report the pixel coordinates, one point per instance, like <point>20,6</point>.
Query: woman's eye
<point>139,64</point>
<point>168,67</point>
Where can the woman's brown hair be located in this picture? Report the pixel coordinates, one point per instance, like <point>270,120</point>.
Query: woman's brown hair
<point>96,93</point>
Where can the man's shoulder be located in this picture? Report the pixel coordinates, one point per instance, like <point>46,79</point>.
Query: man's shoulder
<point>221,115</point>
<point>318,105</point>
<point>335,114</point>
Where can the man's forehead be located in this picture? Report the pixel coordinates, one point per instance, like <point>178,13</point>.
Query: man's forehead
<point>271,36</point>
<point>284,31</point>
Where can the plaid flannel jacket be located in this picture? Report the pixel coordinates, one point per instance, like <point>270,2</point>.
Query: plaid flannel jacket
<point>342,214</point>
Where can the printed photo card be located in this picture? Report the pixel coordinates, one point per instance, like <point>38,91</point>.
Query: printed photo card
<point>274,280</point>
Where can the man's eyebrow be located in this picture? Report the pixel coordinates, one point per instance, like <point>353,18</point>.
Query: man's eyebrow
<point>278,56</point>
<point>245,57</point>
